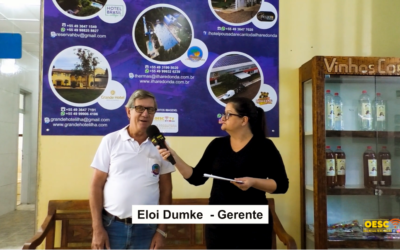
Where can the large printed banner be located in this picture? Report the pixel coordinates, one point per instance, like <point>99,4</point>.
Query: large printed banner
<point>192,55</point>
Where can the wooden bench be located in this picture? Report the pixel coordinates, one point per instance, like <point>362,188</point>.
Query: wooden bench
<point>74,225</point>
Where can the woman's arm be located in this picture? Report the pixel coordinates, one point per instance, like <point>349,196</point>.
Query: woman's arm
<point>276,182</point>
<point>185,170</point>
<point>194,175</point>
<point>266,185</point>
<point>278,171</point>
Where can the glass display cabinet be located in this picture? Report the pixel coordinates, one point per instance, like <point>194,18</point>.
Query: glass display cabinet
<point>350,152</point>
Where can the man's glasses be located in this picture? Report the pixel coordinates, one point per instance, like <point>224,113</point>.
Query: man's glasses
<point>227,115</point>
<point>141,109</point>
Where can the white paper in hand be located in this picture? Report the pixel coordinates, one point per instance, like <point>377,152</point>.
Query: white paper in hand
<point>221,178</point>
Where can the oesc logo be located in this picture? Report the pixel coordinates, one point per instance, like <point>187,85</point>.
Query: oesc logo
<point>376,226</point>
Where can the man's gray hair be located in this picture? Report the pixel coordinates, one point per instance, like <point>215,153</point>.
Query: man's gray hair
<point>140,94</point>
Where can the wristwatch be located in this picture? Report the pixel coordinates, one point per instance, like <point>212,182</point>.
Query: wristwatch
<point>162,232</point>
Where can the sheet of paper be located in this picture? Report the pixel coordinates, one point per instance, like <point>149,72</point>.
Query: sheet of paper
<point>220,178</point>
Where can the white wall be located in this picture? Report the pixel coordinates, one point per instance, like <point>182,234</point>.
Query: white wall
<point>26,79</point>
<point>9,94</point>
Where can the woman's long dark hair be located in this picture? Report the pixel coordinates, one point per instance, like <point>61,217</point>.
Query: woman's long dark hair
<point>246,107</point>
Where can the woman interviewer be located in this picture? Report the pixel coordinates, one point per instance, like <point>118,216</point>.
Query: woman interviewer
<point>244,153</point>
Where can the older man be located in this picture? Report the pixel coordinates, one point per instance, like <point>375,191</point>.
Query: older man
<point>128,170</point>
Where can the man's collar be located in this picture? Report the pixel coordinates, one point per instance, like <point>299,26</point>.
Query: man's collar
<point>125,135</point>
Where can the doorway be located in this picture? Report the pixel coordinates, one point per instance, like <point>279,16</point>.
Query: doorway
<point>27,150</point>
<point>21,112</point>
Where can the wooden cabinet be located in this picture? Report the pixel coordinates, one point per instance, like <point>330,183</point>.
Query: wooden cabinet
<point>340,216</point>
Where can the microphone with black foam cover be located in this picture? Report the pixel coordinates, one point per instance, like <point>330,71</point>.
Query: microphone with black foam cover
<point>158,139</point>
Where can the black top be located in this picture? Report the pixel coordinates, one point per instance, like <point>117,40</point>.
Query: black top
<point>259,159</point>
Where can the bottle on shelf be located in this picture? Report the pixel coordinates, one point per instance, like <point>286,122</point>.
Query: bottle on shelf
<point>370,168</point>
<point>338,112</point>
<point>365,118</point>
<point>340,159</point>
<point>330,167</point>
<point>380,113</point>
<point>385,167</point>
<point>329,111</point>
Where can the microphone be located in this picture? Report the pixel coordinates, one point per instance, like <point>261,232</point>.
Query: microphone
<point>158,139</point>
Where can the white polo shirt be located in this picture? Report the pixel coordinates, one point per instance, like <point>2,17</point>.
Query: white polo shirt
<point>133,172</point>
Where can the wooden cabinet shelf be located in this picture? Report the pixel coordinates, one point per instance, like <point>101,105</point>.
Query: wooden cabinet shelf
<point>394,244</point>
<point>362,134</point>
<point>361,190</point>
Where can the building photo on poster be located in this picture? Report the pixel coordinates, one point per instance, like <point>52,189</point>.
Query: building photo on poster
<point>192,55</point>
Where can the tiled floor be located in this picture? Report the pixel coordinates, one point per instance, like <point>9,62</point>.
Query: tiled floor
<point>17,227</point>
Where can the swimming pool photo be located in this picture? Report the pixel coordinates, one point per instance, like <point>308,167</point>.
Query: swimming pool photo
<point>82,8</point>
<point>162,33</point>
<point>97,5</point>
<point>165,36</point>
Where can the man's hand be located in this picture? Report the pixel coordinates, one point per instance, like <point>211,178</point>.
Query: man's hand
<point>157,242</point>
<point>100,239</point>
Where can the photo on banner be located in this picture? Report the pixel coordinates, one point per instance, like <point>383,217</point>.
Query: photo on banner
<point>192,58</point>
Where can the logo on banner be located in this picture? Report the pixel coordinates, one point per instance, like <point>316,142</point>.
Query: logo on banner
<point>53,34</point>
<point>114,10</point>
<point>195,54</point>
<point>113,97</point>
<point>167,122</point>
<point>264,99</point>
<point>155,169</point>
<point>265,16</point>
<point>165,119</point>
<point>46,120</point>
<point>381,226</point>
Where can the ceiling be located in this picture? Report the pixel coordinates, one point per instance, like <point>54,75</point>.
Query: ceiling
<point>22,16</point>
